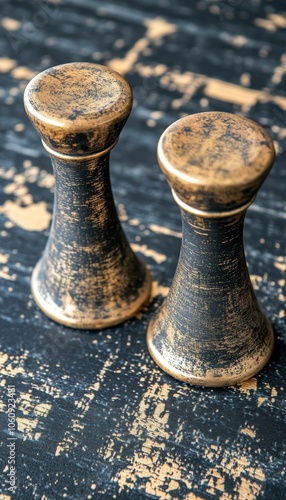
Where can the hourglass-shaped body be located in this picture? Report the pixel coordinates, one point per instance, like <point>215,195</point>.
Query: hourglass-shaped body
<point>210,329</point>
<point>88,276</point>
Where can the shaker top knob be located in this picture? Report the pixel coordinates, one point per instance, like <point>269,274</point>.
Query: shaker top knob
<point>78,108</point>
<point>215,161</point>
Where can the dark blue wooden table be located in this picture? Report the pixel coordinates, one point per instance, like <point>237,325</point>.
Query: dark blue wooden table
<point>94,416</point>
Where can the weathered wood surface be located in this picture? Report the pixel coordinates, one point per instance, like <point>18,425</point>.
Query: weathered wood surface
<point>96,418</point>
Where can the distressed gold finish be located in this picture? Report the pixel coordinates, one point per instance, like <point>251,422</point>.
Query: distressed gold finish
<point>210,329</point>
<point>88,277</point>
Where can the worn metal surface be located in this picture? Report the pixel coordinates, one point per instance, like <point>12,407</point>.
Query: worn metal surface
<point>88,277</point>
<point>210,330</point>
<point>96,418</point>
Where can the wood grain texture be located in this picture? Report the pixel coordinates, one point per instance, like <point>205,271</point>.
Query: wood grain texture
<point>96,418</point>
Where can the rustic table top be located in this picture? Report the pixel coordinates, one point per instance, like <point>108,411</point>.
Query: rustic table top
<point>95,417</point>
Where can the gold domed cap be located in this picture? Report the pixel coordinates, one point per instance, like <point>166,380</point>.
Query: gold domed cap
<point>78,108</point>
<point>215,161</point>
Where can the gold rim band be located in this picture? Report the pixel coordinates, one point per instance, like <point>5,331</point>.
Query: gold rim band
<point>210,215</point>
<point>62,156</point>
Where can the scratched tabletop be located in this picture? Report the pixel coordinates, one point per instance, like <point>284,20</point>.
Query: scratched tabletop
<point>88,414</point>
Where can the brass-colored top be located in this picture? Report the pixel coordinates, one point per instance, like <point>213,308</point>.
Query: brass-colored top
<point>215,161</point>
<point>78,108</point>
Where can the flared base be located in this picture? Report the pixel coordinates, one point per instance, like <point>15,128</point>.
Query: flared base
<point>184,369</point>
<point>91,318</point>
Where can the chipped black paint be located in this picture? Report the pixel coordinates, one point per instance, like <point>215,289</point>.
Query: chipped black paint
<point>169,439</point>
<point>210,330</point>
<point>88,276</point>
